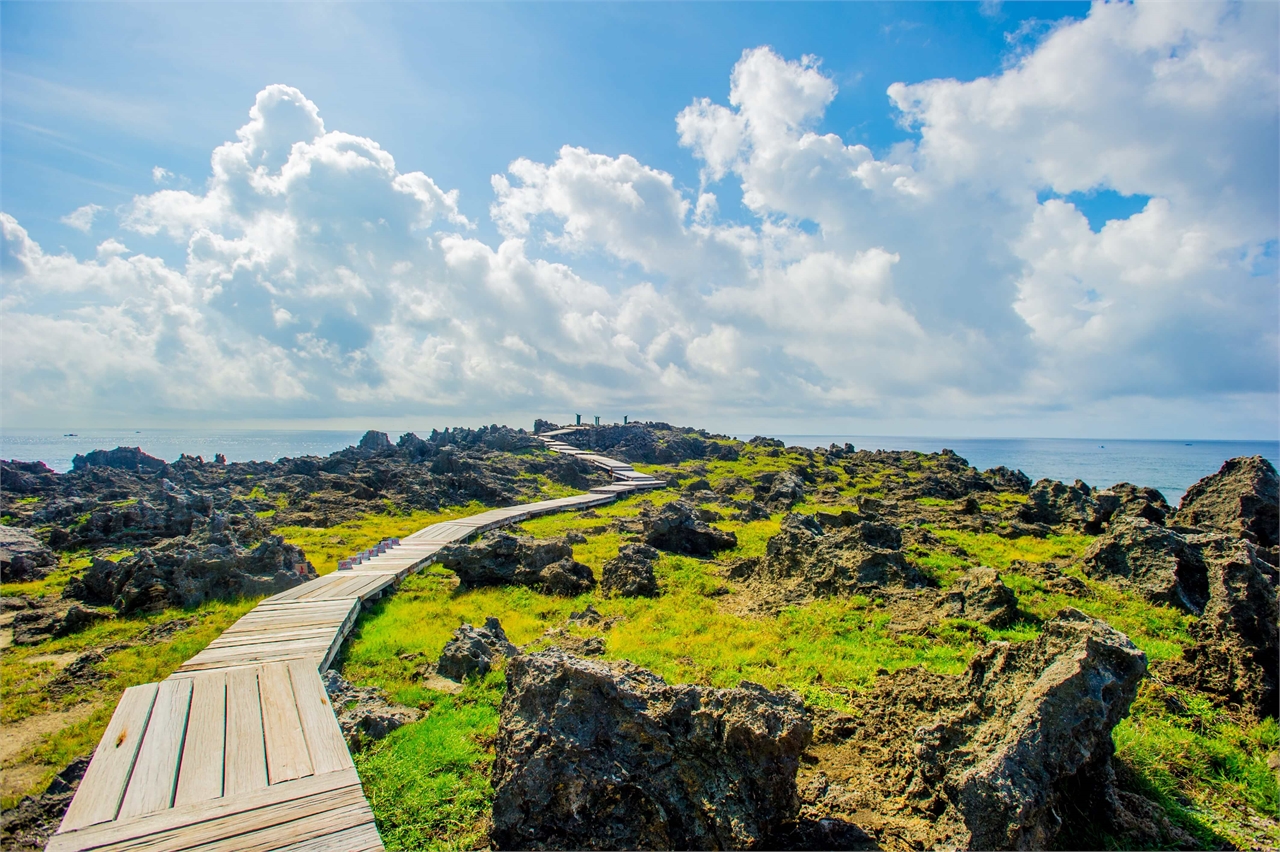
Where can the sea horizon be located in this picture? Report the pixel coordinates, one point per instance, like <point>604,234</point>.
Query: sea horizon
<point>1168,465</point>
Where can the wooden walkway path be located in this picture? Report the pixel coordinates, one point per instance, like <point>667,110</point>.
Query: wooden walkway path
<point>239,749</point>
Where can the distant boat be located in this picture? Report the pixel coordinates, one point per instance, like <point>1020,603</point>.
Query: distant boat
<point>71,435</point>
<point>1187,445</point>
<point>1102,446</point>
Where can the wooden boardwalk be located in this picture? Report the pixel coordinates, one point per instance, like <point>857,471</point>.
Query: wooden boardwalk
<point>239,748</point>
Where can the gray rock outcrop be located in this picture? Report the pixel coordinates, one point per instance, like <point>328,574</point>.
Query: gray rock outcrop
<point>364,714</point>
<point>1236,657</point>
<point>826,554</point>
<point>502,559</point>
<point>187,571</point>
<point>1242,500</point>
<point>595,755</point>
<point>676,528</point>
<point>472,650</point>
<point>23,557</point>
<point>1157,563</point>
<point>980,595</point>
<point>1035,739</point>
<point>630,573</point>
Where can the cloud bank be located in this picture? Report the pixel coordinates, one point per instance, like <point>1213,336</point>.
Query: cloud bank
<point>947,279</point>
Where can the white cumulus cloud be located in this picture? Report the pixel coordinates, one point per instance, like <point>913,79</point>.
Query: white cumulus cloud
<point>947,278</point>
<point>82,217</point>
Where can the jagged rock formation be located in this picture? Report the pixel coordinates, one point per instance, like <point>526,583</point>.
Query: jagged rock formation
<point>502,559</point>
<point>28,827</point>
<point>630,573</point>
<point>187,571</point>
<point>594,755</point>
<point>1157,563</point>
<point>980,595</point>
<point>1241,500</point>
<point>831,554</point>
<point>992,759</point>
<point>23,557</point>
<point>778,492</point>
<point>364,714</point>
<point>1236,657</point>
<point>38,619</point>
<point>677,528</point>
<point>653,443</point>
<point>472,650</point>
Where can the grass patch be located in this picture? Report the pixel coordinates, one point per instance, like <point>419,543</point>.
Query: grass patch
<point>326,546</point>
<point>1208,771</point>
<point>428,783</point>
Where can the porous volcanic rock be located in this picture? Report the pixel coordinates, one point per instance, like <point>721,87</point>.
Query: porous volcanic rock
<point>377,442</point>
<point>121,458</point>
<point>472,650</point>
<point>1037,735</point>
<point>50,618</point>
<point>364,714</point>
<point>676,527</point>
<point>1124,500</point>
<point>1242,499</point>
<point>653,443</point>
<point>1158,563</point>
<point>1013,754</point>
<point>28,826</point>
<point>980,595</point>
<point>23,557</point>
<point>779,491</point>
<point>827,554</point>
<point>596,755</point>
<point>188,571</point>
<point>1056,504</point>
<point>630,573</point>
<point>502,559</point>
<point>1236,657</point>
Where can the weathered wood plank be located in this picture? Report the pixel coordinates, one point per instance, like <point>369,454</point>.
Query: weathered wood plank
<point>245,759</point>
<point>103,785</point>
<point>287,756</point>
<point>203,754</point>
<point>188,826</point>
<point>324,738</point>
<point>359,838</point>
<point>155,772</point>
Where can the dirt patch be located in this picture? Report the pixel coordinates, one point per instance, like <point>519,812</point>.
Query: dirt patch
<point>21,735</point>
<point>60,661</point>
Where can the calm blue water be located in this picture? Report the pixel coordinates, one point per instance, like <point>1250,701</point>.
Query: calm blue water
<point>1171,466</point>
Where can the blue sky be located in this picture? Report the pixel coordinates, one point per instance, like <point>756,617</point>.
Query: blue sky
<point>962,297</point>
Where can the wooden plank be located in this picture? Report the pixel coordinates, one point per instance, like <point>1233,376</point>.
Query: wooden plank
<point>187,826</point>
<point>359,838</point>
<point>102,788</point>
<point>287,756</point>
<point>245,765</point>
<point>155,773</point>
<point>319,725</point>
<point>232,640</point>
<point>203,754</point>
<point>248,662</point>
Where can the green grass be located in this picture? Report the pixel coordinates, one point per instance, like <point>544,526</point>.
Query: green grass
<point>1206,769</point>
<point>326,546</point>
<point>428,782</point>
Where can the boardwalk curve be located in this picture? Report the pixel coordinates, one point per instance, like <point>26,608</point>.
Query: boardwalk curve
<point>239,749</point>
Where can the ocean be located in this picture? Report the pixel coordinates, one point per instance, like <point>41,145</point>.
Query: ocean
<point>1170,466</point>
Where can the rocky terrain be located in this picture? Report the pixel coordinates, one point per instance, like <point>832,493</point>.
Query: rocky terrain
<point>951,658</point>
